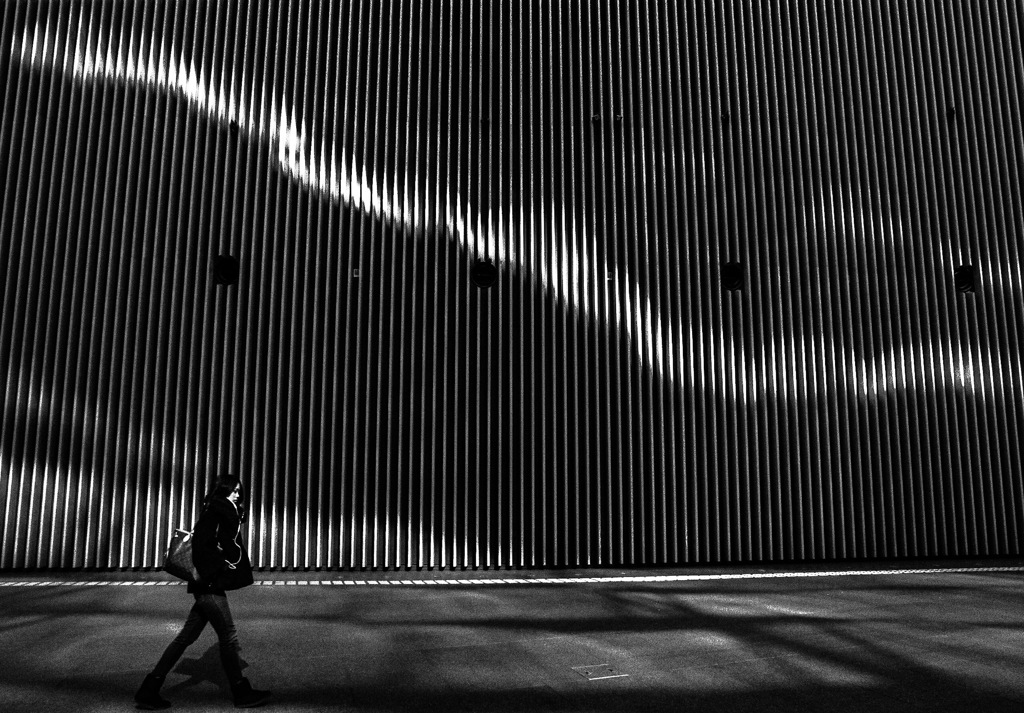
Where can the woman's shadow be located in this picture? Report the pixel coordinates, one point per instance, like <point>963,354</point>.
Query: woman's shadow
<point>206,668</point>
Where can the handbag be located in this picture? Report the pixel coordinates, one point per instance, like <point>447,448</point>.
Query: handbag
<point>178,560</point>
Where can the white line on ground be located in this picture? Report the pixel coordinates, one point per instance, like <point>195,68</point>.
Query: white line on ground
<point>546,580</point>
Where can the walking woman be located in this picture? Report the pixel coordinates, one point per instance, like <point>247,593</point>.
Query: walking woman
<point>222,565</point>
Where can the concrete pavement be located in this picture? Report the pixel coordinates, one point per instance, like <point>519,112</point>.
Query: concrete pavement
<point>833,640</point>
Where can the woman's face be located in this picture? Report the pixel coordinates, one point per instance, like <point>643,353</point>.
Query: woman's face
<point>235,495</point>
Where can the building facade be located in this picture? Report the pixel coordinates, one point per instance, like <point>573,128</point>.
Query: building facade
<point>513,284</point>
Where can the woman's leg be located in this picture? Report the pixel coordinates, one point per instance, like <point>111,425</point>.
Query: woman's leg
<point>215,609</point>
<point>193,627</point>
<point>148,695</point>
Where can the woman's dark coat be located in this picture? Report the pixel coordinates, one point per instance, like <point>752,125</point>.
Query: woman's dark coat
<point>217,551</point>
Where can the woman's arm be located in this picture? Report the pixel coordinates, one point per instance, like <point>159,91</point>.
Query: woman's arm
<point>206,550</point>
<point>229,522</point>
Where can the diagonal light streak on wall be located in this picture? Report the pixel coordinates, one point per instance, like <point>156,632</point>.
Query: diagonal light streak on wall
<point>270,118</point>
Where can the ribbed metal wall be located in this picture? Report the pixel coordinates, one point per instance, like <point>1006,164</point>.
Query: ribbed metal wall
<point>607,400</point>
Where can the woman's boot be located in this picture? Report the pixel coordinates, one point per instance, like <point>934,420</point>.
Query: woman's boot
<point>246,696</point>
<point>148,696</point>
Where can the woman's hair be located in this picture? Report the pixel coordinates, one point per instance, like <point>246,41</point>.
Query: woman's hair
<point>222,487</point>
